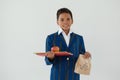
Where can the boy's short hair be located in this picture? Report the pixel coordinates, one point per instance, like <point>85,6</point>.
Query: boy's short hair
<point>64,10</point>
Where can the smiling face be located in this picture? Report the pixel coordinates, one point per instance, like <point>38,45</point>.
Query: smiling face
<point>65,21</point>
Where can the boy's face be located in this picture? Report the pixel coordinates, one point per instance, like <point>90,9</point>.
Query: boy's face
<point>65,21</point>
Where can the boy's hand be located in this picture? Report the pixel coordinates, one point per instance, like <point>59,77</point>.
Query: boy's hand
<point>50,55</point>
<point>87,55</point>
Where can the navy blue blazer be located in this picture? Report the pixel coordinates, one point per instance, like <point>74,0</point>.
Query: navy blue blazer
<point>62,68</point>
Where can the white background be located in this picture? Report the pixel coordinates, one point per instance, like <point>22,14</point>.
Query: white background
<point>24,25</point>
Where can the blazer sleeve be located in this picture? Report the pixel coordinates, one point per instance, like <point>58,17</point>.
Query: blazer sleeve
<point>49,44</point>
<point>82,46</point>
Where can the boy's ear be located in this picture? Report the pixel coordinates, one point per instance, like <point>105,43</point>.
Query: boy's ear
<point>72,21</point>
<point>57,22</point>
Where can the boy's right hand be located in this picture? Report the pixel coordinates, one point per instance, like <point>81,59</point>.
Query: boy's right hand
<point>51,55</point>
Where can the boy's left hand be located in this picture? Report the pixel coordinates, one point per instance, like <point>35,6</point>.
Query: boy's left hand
<point>87,55</point>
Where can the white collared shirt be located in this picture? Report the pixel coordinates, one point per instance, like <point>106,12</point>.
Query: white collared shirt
<point>66,37</point>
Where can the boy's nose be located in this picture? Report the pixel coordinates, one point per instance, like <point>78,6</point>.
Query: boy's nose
<point>65,22</point>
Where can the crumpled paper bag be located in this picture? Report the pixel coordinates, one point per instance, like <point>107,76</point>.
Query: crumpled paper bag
<point>83,65</point>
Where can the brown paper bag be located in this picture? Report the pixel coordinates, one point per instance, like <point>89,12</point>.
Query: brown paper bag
<point>83,65</point>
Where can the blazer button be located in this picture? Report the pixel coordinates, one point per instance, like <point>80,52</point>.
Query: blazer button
<point>67,58</point>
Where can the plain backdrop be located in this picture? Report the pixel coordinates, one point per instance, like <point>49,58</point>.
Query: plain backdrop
<point>25,24</point>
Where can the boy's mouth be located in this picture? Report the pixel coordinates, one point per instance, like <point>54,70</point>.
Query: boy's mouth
<point>66,26</point>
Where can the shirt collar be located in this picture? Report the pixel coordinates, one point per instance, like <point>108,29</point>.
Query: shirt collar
<point>61,31</point>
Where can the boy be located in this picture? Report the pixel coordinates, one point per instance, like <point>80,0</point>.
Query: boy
<point>66,40</point>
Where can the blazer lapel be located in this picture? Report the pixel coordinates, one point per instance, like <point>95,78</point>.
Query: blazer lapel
<point>63,40</point>
<point>72,35</point>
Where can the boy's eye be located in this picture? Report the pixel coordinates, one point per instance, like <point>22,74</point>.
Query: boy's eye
<point>68,19</point>
<point>62,20</point>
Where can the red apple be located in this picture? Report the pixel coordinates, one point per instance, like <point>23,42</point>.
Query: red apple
<point>55,49</point>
